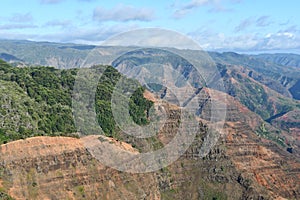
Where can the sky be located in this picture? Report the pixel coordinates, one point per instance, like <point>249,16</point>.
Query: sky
<point>216,25</point>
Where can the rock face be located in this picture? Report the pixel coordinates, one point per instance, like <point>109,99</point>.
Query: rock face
<point>263,164</point>
<point>61,168</point>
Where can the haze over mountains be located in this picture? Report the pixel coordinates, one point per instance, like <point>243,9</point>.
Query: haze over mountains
<point>256,157</point>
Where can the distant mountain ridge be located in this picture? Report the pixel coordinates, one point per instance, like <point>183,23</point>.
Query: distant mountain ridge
<point>287,77</point>
<point>9,58</point>
<point>284,59</point>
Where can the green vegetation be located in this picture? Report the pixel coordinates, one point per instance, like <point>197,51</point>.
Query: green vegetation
<point>32,186</point>
<point>264,132</point>
<point>254,97</point>
<point>37,101</point>
<point>80,191</point>
<point>4,196</point>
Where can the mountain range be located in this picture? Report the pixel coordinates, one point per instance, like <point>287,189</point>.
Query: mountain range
<point>255,157</point>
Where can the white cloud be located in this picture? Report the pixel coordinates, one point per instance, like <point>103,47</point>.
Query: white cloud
<point>215,5</point>
<point>262,21</point>
<point>288,38</point>
<point>92,36</point>
<point>123,13</point>
<point>62,23</point>
<point>18,21</point>
<point>280,40</point>
<point>21,18</point>
<point>244,24</point>
<point>16,26</point>
<point>153,37</point>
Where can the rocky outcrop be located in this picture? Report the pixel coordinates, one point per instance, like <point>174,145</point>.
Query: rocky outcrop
<point>62,168</point>
<point>262,163</point>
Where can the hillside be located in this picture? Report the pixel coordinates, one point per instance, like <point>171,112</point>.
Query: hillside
<point>37,101</point>
<point>244,83</point>
<point>271,74</point>
<point>242,165</point>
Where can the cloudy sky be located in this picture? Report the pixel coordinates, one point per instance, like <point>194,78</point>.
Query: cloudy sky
<point>219,25</point>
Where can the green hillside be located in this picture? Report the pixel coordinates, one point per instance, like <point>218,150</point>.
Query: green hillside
<point>37,101</point>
